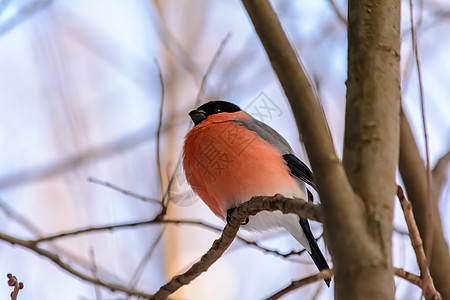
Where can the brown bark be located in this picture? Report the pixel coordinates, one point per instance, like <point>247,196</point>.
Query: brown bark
<point>372,133</point>
<point>357,229</point>
<point>413,174</point>
<point>427,285</point>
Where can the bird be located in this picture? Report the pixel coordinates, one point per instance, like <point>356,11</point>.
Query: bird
<point>229,157</point>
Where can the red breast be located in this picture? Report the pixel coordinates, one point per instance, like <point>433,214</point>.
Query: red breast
<point>227,164</point>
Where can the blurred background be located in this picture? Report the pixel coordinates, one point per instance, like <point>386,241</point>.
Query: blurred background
<point>80,96</point>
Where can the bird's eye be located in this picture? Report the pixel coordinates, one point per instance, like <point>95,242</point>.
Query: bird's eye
<point>218,110</point>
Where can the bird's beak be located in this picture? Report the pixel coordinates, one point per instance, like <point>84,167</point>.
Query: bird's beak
<point>197,115</point>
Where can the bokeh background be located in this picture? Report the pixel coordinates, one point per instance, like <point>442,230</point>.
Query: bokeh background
<point>80,97</point>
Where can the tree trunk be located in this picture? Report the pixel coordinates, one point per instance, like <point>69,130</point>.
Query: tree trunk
<point>371,141</point>
<point>358,220</point>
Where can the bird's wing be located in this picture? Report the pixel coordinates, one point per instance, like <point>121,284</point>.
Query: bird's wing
<point>299,169</point>
<point>267,133</point>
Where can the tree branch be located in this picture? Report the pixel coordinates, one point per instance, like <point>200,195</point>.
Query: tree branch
<point>157,221</point>
<point>239,215</point>
<point>429,207</point>
<point>252,207</point>
<point>158,130</point>
<point>341,209</point>
<point>124,191</point>
<point>328,172</point>
<point>427,282</point>
<point>414,279</point>
<point>371,147</point>
<point>413,173</point>
<point>12,281</point>
<point>324,274</point>
<point>59,262</point>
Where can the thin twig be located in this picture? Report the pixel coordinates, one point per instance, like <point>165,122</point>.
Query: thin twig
<point>427,286</point>
<point>123,191</point>
<point>412,278</point>
<point>12,281</point>
<point>216,56</point>
<point>158,131</point>
<point>429,206</point>
<point>401,232</point>
<point>121,226</point>
<point>324,274</point>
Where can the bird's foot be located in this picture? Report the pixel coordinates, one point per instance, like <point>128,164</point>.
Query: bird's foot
<point>229,212</point>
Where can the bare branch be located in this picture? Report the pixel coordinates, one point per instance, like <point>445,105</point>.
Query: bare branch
<point>256,204</point>
<point>155,221</point>
<point>28,225</point>
<point>124,191</point>
<point>252,207</point>
<point>324,274</point>
<point>249,208</point>
<point>427,286</point>
<point>429,206</point>
<point>12,281</point>
<point>414,279</point>
<point>334,189</point>
<point>158,131</point>
<point>65,266</point>
<point>381,41</point>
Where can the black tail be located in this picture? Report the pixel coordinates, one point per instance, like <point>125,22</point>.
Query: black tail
<point>315,254</point>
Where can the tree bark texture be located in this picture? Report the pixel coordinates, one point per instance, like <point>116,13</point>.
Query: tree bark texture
<point>357,226</point>
<point>413,174</point>
<point>371,137</point>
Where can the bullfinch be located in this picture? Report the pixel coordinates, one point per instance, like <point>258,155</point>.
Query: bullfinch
<point>229,157</point>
